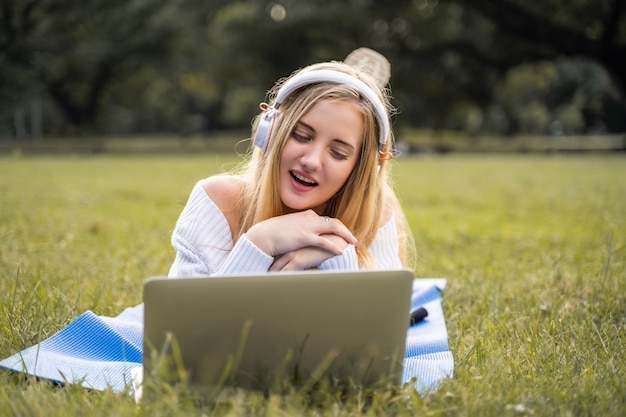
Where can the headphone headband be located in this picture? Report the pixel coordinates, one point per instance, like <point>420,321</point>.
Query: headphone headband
<point>326,75</point>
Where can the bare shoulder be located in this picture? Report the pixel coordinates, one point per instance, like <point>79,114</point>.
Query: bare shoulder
<point>217,186</point>
<point>225,191</point>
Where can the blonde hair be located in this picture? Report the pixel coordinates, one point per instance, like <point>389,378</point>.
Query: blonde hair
<point>260,197</point>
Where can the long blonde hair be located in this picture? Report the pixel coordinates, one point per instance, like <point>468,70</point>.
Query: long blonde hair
<point>365,201</point>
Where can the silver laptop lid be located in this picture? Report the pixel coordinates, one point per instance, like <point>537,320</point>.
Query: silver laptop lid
<point>250,330</point>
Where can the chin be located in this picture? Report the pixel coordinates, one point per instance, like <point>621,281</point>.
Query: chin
<point>291,207</point>
<point>295,207</point>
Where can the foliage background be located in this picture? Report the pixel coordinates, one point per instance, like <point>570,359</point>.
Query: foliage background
<point>186,66</point>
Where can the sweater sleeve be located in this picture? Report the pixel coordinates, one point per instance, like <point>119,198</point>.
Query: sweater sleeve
<point>347,261</point>
<point>384,250</point>
<point>204,246</point>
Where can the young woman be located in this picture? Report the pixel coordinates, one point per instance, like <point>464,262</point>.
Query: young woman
<point>314,192</point>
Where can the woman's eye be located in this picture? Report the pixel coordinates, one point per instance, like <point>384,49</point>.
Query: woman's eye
<point>299,137</point>
<point>338,154</point>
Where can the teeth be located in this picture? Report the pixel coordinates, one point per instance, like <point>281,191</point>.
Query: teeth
<point>303,179</point>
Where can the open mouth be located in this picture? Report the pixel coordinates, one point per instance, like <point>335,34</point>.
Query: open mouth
<point>302,180</point>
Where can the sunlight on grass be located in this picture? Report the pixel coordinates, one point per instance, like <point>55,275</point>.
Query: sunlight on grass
<point>533,247</point>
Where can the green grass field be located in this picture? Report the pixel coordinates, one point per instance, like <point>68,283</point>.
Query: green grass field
<point>533,247</point>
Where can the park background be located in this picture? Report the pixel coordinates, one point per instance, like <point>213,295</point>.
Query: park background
<point>482,69</point>
<point>511,118</point>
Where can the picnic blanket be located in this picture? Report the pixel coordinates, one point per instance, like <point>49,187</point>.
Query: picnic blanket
<point>100,352</point>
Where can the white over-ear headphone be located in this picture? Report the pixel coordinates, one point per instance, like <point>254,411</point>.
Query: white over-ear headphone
<point>270,115</point>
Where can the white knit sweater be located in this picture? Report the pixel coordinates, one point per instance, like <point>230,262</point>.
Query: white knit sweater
<point>204,245</point>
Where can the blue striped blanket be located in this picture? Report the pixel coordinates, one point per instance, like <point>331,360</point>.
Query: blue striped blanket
<point>100,352</point>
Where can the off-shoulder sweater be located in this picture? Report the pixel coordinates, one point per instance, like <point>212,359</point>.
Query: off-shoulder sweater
<point>204,245</point>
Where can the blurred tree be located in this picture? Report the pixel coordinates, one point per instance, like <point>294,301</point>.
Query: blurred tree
<point>74,51</point>
<point>253,43</point>
<point>526,32</point>
<point>186,65</point>
<point>433,77</point>
<point>523,94</point>
<point>454,55</point>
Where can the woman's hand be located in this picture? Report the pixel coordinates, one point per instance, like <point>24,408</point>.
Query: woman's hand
<point>290,232</point>
<point>306,258</point>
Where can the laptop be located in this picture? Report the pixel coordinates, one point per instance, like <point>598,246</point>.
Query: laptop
<point>251,331</point>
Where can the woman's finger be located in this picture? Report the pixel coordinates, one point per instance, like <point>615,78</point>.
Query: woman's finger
<point>335,226</point>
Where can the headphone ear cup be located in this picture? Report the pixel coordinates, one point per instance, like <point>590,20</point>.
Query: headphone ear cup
<point>265,129</point>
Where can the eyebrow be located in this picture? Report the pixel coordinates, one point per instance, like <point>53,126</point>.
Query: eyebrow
<point>309,127</point>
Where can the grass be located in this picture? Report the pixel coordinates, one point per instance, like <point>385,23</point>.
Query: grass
<point>533,247</point>
<point>444,141</point>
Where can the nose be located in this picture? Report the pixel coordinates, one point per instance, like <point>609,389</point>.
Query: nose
<point>312,157</point>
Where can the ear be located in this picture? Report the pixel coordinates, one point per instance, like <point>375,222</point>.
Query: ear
<point>265,129</point>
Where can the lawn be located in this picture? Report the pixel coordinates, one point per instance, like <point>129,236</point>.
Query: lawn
<point>533,247</point>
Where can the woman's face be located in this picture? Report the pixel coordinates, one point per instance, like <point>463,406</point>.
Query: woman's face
<point>320,154</point>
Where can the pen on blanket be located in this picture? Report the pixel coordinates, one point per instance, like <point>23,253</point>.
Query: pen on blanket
<point>418,315</point>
